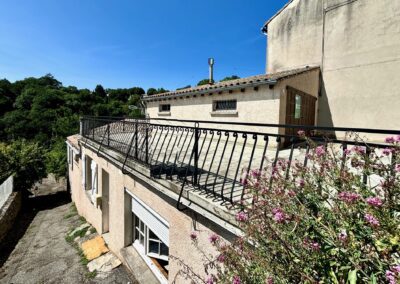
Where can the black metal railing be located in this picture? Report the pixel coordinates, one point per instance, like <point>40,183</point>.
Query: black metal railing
<point>213,157</point>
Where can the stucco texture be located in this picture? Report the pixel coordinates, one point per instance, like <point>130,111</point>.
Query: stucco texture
<point>120,226</point>
<point>357,45</point>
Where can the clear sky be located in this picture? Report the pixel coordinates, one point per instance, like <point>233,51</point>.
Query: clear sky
<point>126,43</point>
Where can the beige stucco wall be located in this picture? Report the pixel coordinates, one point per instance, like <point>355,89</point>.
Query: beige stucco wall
<point>180,224</point>
<point>357,45</point>
<point>266,105</point>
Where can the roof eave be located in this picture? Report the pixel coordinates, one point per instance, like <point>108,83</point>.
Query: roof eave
<point>211,90</point>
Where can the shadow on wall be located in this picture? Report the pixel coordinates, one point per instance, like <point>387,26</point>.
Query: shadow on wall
<point>29,208</point>
<point>324,110</point>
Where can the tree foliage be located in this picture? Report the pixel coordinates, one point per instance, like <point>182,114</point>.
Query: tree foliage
<point>24,160</point>
<point>204,82</point>
<point>41,111</point>
<point>228,78</point>
<point>153,91</point>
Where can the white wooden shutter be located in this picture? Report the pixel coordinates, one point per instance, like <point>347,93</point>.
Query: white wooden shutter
<point>154,222</point>
<point>93,168</point>
<point>68,155</point>
<point>84,171</point>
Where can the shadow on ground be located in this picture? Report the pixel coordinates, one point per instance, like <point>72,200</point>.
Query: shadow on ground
<point>29,208</point>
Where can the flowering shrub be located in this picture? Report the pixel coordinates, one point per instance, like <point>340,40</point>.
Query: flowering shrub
<point>335,220</point>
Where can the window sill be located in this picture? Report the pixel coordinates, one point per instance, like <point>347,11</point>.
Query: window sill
<point>229,113</point>
<point>164,113</point>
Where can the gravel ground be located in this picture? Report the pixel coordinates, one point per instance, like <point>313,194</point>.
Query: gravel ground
<point>36,250</point>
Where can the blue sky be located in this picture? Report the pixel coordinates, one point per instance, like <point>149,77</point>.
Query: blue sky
<point>125,43</point>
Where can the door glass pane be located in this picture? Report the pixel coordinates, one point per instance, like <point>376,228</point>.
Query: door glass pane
<point>297,107</point>
<point>141,226</point>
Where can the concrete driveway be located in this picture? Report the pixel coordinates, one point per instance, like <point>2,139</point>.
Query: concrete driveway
<point>36,250</point>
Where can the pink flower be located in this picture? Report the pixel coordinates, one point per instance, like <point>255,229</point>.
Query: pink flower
<point>374,201</point>
<point>343,236</point>
<point>371,220</point>
<point>213,238</point>
<point>390,276</point>
<point>193,236</point>
<point>396,268</point>
<point>349,197</point>
<point>242,216</point>
<point>359,150</point>
<point>210,279</point>
<point>315,246</point>
<point>387,151</point>
<point>221,258</point>
<point>320,151</point>
<point>301,133</point>
<point>347,152</point>
<point>269,280</point>
<point>397,138</point>
<point>301,182</point>
<point>279,215</point>
<point>397,168</point>
<point>255,173</point>
<point>236,280</point>
<point>389,139</point>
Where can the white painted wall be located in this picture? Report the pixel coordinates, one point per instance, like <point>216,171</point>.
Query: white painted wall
<point>6,189</point>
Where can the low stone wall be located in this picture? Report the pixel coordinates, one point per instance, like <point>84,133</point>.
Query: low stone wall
<point>9,212</point>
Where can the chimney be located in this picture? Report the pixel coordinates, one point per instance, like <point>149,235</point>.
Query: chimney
<point>211,69</point>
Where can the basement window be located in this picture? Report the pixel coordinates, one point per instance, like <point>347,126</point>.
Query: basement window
<point>224,105</point>
<point>151,238</point>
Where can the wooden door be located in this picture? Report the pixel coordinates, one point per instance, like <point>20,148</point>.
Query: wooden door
<point>300,109</point>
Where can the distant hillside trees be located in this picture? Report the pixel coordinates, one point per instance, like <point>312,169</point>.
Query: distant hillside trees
<point>41,111</point>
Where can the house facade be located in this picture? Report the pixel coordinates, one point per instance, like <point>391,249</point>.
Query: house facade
<point>147,185</point>
<point>356,43</point>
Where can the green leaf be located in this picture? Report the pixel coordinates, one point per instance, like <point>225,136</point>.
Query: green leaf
<point>352,278</point>
<point>333,277</point>
<point>373,279</point>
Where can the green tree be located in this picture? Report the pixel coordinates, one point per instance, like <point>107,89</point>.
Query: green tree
<point>233,77</point>
<point>25,161</point>
<point>204,82</point>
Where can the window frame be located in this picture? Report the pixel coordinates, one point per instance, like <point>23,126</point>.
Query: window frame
<point>162,110</point>
<point>298,106</point>
<point>225,105</point>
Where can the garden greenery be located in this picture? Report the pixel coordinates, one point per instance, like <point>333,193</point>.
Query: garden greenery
<point>335,220</point>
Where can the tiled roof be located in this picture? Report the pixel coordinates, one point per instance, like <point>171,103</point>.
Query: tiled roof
<point>264,79</point>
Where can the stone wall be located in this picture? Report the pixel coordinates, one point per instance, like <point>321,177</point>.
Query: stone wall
<point>9,212</point>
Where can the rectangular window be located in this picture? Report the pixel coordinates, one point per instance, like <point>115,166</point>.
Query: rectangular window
<point>297,107</point>
<point>151,238</point>
<point>164,108</point>
<point>224,105</point>
<point>151,245</point>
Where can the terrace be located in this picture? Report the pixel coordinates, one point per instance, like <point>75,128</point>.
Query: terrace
<point>211,159</point>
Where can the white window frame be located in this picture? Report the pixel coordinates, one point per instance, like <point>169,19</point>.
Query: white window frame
<point>143,250</point>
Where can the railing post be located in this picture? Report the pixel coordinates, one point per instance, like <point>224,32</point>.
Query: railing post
<point>147,144</point>
<point>136,140</point>
<point>196,153</point>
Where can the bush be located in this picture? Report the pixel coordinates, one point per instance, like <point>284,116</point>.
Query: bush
<point>25,161</point>
<point>320,224</point>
